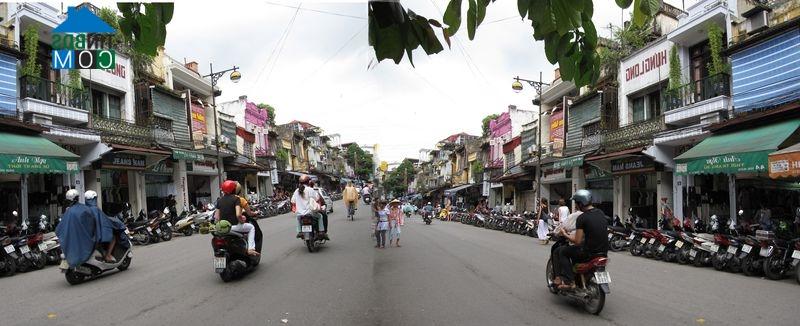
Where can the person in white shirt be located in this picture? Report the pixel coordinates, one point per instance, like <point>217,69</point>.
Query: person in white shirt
<point>563,210</point>
<point>305,200</point>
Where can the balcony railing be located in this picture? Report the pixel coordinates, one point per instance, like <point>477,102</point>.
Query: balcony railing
<point>633,135</point>
<point>122,132</point>
<point>697,91</point>
<point>49,91</point>
<point>590,141</point>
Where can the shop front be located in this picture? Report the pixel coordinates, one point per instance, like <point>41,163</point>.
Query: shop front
<point>636,183</point>
<point>464,196</point>
<point>29,168</point>
<point>601,184</point>
<point>159,183</point>
<point>200,175</point>
<point>556,183</point>
<point>732,171</point>
<point>117,173</point>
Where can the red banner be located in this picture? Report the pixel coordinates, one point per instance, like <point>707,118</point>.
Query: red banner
<point>198,119</point>
<point>557,132</point>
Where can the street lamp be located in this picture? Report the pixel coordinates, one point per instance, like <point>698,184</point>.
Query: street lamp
<point>215,76</point>
<point>538,86</point>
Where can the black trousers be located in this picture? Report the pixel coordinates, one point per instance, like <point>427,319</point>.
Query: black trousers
<point>325,221</point>
<point>565,256</point>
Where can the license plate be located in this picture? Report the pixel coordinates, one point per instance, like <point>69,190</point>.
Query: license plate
<point>9,249</point>
<point>219,263</point>
<point>149,229</point>
<point>692,253</point>
<point>158,231</point>
<point>714,248</point>
<point>64,264</point>
<point>42,246</point>
<point>24,250</point>
<point>747,248</point>
<point>732,250</point>
<point>602,277</point>
<point>630,237</point>
<point>661,247</point>
<point>643,240</point>
<point>796,254</point>
<point>306,228</point>
<point>169,224</point>
<point>765,251</point>
<point>610,235</point>
<point>679,244</point>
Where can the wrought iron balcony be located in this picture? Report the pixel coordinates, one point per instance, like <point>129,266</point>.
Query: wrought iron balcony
<point>633,135</point>
<point>49,91</point>
<point>697,91</point>
<point>122,132</point>
<point>591,141</point>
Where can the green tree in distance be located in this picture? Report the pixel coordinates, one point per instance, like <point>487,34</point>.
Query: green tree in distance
<point>565,26</point>
<point>365,166</point>
<point>270,112</point>
<point>395,182</point>
<point>485,123</point>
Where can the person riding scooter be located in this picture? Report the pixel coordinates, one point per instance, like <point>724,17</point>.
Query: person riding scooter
<point>590,239</point>
<point>77,230</point>
<point>110,229</point>
<point>229,208</point>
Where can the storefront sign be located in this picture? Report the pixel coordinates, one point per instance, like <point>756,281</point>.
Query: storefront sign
<point>35,164</point>
<point>751,162</point>
<point>198,119</point>
<point>274,176</point>
<point>632,164</point>
<point>186,155</point>
<point>552,174</point>
<point>785,163</point>
<point>647,64</point>
<point>646,67</point>
<point>162,167</point>
<point>123,161</point>
<point>569,162</point>
<point>595,173</point>
<point>557,133</point>
<point>202,167</point>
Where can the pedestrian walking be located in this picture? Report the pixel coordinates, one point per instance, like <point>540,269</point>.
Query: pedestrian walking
<point>382,226</point>
<point>563,210</point>
<point>542,222</point>
<point>395,222</point>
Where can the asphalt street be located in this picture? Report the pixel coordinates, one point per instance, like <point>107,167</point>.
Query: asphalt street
<point>444,274</point>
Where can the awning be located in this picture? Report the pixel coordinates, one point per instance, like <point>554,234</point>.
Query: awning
<point>569,162</point>
<point>515,175</point>
<point>298,174</point>
<point>180,154</point>
<point>453,191</point>
<point>34,154</point>
<point>736,152</point>
<point>785,163</point>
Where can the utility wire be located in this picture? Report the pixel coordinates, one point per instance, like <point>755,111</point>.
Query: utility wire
<point>335,54</point>
<point>288,31</point>
<point>283,35</point>
<point>316,10</point>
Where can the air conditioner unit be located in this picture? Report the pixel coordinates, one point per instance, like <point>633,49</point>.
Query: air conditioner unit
<point>758,21</point>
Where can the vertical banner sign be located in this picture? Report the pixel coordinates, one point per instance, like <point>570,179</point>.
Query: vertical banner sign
<point>198,125</point>
<point>557,133</point>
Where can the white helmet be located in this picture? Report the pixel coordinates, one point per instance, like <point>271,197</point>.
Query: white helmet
<point>90,194</point>
<point>72,195</point>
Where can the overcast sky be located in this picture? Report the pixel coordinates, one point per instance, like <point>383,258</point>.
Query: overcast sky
<point>318,73</point>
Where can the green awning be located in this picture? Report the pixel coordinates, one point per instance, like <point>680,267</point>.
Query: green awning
<point>736,152</point>
<point>34,154</point>
<point>569,162</point>
<point>180,154</point>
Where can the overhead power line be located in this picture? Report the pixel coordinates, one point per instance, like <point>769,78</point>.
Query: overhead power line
<point>316,10</point>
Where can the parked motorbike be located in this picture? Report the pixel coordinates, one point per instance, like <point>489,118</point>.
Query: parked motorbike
<point>94,267</point>
<point>8,256</point>
<point>185,223</point>
<point>231,260</point>
<point>591,280</point>
<point>309,230</point>
<point>781,258</point>
<point>139,229</point>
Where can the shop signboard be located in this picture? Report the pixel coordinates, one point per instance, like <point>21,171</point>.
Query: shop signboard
<point>751,162</point>
<point>569,162</point>
<point>594,172</point>
<point>274,176</point>
<point>632,165</point>
<point>551,174</point>
<point>557,133</point>
<point>35,164</point>
<point>202,167</point>
<point>186,155</point>
<point>162,167</point>
<point>785,163</point>
<point>123,161</point>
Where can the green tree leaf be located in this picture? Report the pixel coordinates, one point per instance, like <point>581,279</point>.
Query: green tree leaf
<point>624,3</point>
<point>452,17</point>
<point>522,6</point>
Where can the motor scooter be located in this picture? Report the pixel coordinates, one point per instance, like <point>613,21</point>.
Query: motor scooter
<point>592,281</point>
<point>231,260</point>
<point>95,265</point>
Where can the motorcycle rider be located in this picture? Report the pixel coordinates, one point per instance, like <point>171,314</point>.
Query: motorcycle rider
<point>321,202</point>
<point>590,239</point>
<point>229,208</point>
<point>303,198</point>
<point>350,196</point>
<point>428,209</point>
<point>110,229</point>
<point>77,230</point>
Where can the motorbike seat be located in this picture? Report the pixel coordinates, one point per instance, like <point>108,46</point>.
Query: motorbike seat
<point>618,228</point>
<point>596,261</point>
<point>670,233</point>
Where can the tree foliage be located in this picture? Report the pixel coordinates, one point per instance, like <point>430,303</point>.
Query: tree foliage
<point>624,41</point>
<point>141,61</point>
<point>715,43</point>
<point>31,67</point>
<point>270,112</point>
<point>565,26</point>
<point>485,123</point>
<point>675,79</point>
<point>144,25</point>
<point>397,180</point>
<point>365,166</point>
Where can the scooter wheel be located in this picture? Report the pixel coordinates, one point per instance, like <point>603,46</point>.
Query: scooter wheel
<point>748,268</point>
<point>187,231</point>
<point>125,264</point>
<point>74,278</point>
<point>549,273</point>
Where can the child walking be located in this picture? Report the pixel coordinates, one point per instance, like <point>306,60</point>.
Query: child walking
<point>395,221</point>
<point>382,226</point>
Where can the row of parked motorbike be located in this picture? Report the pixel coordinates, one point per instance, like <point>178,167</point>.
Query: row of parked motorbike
<point>522,224</point>
<point>719,244</point>
<point>32,247</point>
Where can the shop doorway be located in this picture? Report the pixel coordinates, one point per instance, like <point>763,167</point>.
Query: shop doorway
<point>115,190</point>
<point>9,197</point>
<point>199,189</point>
<point>643,197</point>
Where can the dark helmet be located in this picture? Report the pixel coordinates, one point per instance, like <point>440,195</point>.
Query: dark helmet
<point>583,197</point>
<point>229,187</point>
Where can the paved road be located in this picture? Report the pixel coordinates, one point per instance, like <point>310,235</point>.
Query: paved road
<point>445,274</point>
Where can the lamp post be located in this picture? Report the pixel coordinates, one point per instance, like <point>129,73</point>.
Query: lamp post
<point>538,86</point>
<point>215,76</point>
